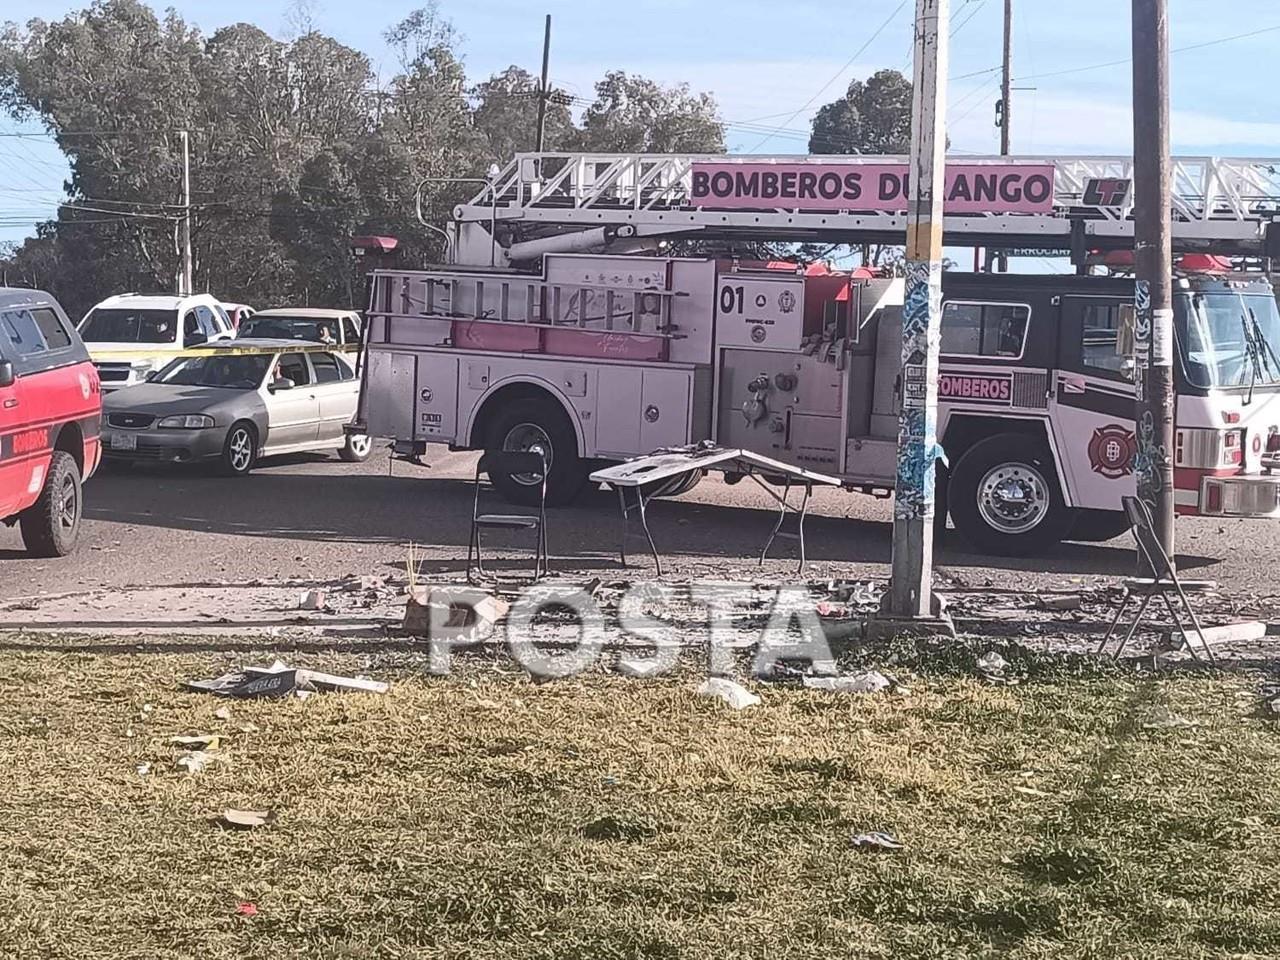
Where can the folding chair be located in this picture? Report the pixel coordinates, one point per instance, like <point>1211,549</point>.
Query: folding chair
<point>515,463</point>
<point>1164,578</point>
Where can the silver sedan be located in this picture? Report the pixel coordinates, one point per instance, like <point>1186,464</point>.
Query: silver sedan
<point>231,407</point>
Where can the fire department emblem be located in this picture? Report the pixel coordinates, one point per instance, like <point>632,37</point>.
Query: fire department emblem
<point>786,301</point>
<point>1111,451</point>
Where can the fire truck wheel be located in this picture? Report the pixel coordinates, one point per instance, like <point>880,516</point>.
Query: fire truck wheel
<point>51,525</point>
<point>1098,526</point>
<point>539,425</point>
<point>1004,497</point>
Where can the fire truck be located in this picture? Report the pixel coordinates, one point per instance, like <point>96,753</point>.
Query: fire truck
<point>563,324</point>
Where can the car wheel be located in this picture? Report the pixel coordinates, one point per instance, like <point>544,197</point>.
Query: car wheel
<point>239,451</point>
<point>357,448</point>
<point>1003,496</point>
<point>51,526</point>
<point>538,425</point>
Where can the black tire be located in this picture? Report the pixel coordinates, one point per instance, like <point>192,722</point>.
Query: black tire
<point>51,526</point>
<point>357,448</point>
<point>542,423</point>
<point>1007,525</point>
<point>1098,526</point>
<point>237,459</point>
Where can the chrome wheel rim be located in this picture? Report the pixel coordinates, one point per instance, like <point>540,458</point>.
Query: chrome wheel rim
<point>1013,498</point>
<point>68,505</point>
<point>241,449</point>
<point>529,438</point>
<point>360,445</point>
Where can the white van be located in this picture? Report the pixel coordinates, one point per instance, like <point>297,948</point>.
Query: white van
<point>131,334</point>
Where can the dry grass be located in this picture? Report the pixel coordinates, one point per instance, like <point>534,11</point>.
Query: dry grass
<point>488,816</point>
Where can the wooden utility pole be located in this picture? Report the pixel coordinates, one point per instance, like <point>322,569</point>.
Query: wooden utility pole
<point>544,92</point>
<point>1006,99</point>
<point>911,589</point>
<point>1153,258</point>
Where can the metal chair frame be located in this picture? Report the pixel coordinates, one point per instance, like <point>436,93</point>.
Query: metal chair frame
<point>1162,579</point>
<point>514,462</point>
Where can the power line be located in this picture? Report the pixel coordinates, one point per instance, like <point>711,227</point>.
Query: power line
<point>1117,63</point>
<point>870,40</point>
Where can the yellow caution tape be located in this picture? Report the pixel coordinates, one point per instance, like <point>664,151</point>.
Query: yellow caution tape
<point>219,351</point>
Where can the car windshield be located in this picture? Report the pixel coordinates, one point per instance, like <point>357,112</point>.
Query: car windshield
<point>122,325</point>
<point>290,328</point>
<point>1229,339</point>
<point>233,373</point>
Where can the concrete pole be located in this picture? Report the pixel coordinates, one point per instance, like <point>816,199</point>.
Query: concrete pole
<point>188,282</point>
<point>1153,257</point>
<point>911,593</point>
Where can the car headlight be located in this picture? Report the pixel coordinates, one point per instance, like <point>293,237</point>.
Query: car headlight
<point>188,421</point>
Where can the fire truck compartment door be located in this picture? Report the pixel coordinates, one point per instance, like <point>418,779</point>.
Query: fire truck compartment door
<point>436,400</point>
<point>389,386</point>
<point>641,410</point>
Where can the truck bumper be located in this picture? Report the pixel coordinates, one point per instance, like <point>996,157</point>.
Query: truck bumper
<point>1242,496</point>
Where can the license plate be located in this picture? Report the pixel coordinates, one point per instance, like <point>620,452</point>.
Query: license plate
<point>124,441</point>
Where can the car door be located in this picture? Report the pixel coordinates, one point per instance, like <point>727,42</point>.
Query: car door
<point>293,415</point>
<point>336,391</point>
<point>13,471</point>
<point>1092,401</point>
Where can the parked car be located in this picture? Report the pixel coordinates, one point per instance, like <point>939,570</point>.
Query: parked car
<point>339,327</point>
<point>238,313</point>
<point>230,409</point>
<point>132,334</point>
<point>50,418</point>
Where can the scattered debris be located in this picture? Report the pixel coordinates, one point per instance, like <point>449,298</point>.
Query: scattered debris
<point>1162,718</point>
<point>877,841</point>
<point>1070,601</point>
<point>870,681</point>
<point>734,694</point>
<point>206,742</point>
<point>463,622</point>
<point>365,584</point>
<point>197,760</point>
<point>311,600</point>
<point>246,819</point>
<point>279,680</point>
<point>1030,791</point>
<point>247,909</point>
<point>992,666</point>
<point>642,669</point>
<point>143,769</point>
<point>223,713</point>
<point>1244,632</point>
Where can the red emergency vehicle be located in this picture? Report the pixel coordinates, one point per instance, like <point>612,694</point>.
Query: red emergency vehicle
<point>50,418</point>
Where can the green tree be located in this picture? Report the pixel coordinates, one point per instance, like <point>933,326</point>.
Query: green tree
<point>634,114</point>
<point>506,114</point>
<point>873,117</point>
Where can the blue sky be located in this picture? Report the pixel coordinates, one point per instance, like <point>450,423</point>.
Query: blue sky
<point>772,65</point>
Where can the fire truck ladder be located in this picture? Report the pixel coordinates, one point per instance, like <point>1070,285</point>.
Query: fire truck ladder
<point>1220,205</point>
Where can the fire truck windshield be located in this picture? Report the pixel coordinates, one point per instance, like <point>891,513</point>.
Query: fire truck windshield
<point>1228,339</point>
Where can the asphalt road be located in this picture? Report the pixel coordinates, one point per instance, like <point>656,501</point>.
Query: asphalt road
<point>317,518</point>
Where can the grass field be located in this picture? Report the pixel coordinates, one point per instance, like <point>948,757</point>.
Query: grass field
<point>487,816</point>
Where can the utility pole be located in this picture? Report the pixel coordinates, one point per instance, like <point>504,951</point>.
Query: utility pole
<point>1006,105</point>
<point>911,589</point>
<point>1153,257</point>
<point>186,284</point>
<point>543,92</point>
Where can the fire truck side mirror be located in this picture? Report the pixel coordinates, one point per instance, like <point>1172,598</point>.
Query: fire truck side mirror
<point>1124,331</point>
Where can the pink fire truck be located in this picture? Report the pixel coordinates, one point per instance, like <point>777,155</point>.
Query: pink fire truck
<point>588,344</point>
